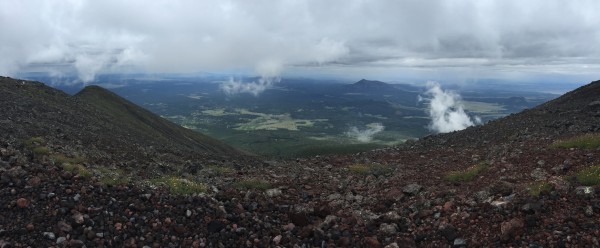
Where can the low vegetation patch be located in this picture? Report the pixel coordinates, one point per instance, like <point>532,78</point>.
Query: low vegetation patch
<point>77,168</point>
<point>589,176</point>
<point>113,177</point>
<point>41,150</point>
<point>585,141</point>
<point>180,186</point>
<point>538,188</point>
<point>466,175</point>
<point>253,184</point>
<point>359,168</point>
<point>62,159</point>
<point>37,145</point>
<point>34,141</point>
<point>221,169</point>
<point>366,169</point>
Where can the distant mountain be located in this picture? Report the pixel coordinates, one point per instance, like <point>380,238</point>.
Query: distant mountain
<point>373,86</point>
<point>385,91</point>
<point>102,124</point>
<point>370,85</point>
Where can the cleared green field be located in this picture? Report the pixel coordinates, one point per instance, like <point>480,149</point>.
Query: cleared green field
<point>275,122</point>
<point>483,107</point>
<point>280,135</point>
<point>262,121</point>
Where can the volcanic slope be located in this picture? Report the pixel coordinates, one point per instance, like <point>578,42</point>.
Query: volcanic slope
<point>99,125</point>
<point>508,183</point>
<point>148,127</point>
<point>577,111</point>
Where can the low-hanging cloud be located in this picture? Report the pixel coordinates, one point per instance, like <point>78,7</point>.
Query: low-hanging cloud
<point>365,135</point>
<point>446,110</point>
<point>234,87</point>
<point>269,71</point>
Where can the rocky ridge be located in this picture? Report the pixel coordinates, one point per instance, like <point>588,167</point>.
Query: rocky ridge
<point>397,197</point>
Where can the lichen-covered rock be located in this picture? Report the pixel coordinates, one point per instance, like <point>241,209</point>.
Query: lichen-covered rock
<point>412,189</point>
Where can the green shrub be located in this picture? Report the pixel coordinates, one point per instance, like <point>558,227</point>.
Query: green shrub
<point>114,180</point>
<point>585,141</point>
<point>37,145</point>
<point>359,168</point>
<point>221,169</point>
<point>113,177</point>
<point>62,159</point>
<point>466,175</point>
<point>589,176</point>
<point>41,150</point>
<point>180,186</point>
<point>31,142</point>
<point>366,169</point>
<point>538,188</point>
<point>253,184</point>
<point>77,168</point>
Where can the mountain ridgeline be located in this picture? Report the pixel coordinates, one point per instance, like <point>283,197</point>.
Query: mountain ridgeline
<point>406,94</point>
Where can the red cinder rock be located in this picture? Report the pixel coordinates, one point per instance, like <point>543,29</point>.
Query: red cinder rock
<point>511,228</point>
<point>22,203</point>
<point>35,181</point>
<point>371,242</point>
<point>448,206</point>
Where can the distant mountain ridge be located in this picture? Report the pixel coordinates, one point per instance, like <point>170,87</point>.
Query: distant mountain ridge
<point>374,86</point>
<point>404,94</point>
<point>370,85</point>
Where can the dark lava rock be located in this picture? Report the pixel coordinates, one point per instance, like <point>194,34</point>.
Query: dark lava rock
<point>530,208</point>
<point>299,219</point>
<point>502,188</point>
<point>215,226</point>
<point>448,232</point>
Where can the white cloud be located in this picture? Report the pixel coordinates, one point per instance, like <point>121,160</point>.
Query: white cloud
<point>446,110</point>
<point>234,87</point>
<point>269,71</point>
<point>365,135</point>
<point>329,50</point>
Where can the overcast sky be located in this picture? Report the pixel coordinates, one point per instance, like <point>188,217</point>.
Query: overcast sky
<point>346,38</point>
